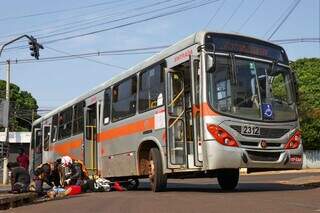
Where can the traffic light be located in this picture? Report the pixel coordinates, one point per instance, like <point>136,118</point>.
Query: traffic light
<point>33,46</point>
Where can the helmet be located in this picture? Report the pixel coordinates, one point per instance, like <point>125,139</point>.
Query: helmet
<point>66,160</point>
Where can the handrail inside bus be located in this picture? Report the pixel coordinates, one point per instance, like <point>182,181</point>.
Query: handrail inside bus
<point>175,121</point>
<point>176,98</point>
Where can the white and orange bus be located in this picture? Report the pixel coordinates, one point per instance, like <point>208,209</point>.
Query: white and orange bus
<point>204,107</point>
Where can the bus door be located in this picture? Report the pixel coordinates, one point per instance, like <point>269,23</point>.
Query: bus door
<point>196,153</point>
<point>37,143</point>
<point>90,139</point>
<point>46,130</point>
<point>175,113</point>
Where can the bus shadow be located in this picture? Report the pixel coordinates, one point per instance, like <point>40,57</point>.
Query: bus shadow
<point>242,187</point>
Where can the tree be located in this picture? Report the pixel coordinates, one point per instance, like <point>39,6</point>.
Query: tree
<point>22,107</point>
<point>308,75</point>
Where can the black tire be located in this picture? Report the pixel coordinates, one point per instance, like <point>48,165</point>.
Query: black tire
<point>158,180</point>
<point>228,179</point>
<point>133,184</point>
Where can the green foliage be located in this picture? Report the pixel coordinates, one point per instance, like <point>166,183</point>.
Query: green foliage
<point>22,107</point>
<point>308,76</point>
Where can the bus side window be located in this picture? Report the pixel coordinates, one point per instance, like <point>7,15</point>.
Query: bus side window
<point>151,89</point>
<point>46,137</point>
<point>106,108</point>
<point>65,123</point>
<point>124,99</point>
<point>54,130</point>
<point>78,118</point>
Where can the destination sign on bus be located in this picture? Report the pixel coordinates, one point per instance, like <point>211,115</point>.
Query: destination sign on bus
<point>247,46</point>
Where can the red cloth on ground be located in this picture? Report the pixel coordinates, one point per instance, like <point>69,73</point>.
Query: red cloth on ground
<point>75,190</point>
<point>23,161</point>
<point>118,187</point>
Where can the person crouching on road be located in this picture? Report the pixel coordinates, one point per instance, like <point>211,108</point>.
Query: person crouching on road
<point>20,178</point>
<point>77,173</point>
<point>76,176</point>
<point>48,173</point>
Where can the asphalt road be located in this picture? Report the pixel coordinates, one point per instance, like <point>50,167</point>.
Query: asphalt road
<point>258,194</point>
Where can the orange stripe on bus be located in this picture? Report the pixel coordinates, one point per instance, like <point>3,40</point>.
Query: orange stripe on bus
<point>127,129</point>
<point>206,110</point>
<point>123,130</point>
<point>66,147</point>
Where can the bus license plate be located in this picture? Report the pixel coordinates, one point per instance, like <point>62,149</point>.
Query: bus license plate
<point>250,130</point>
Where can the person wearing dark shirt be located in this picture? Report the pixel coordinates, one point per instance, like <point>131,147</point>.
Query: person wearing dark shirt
<point>76,176</point>
<point>23,159</point>
<point>48,173</point>
<point>20,178</point>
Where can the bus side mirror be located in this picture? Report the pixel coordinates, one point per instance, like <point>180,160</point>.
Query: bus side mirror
<point>210,63</point>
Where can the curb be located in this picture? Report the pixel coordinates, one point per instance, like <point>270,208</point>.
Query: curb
<point>244,171</point>
<point>8,201</point>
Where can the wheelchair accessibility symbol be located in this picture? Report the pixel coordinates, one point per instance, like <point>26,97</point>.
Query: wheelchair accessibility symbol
<point>267,111</point>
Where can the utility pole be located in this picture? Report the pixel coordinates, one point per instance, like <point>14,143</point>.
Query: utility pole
<point>34,46</point>
<point>5,159</point>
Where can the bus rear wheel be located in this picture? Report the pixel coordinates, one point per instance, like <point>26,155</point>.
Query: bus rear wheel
<point>158,180</point>
<point>228,179</point>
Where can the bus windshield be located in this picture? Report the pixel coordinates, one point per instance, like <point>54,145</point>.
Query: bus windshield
<point>251,89</point>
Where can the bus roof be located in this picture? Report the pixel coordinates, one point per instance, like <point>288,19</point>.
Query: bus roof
<point>196,38</point>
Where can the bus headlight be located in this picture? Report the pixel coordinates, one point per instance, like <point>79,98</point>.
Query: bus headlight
<point>221,135</point>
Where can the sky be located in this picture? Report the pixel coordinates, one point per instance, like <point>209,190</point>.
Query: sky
<point>54,83</point>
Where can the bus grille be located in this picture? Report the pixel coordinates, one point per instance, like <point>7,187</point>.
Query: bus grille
<point>264,132</point>
<point>264,156</point>
<point>256,144</point>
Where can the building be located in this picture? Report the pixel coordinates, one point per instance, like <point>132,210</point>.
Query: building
<point>17,140</point>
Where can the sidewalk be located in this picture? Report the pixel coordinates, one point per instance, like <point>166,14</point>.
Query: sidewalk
<point>8,200</point>
<point>311,180</point>
<point>243,171</point>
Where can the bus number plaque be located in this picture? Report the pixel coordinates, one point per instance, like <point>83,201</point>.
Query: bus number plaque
<point>250,130</point>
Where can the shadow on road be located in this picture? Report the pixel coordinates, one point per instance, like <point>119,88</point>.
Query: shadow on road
<point>242,187</point>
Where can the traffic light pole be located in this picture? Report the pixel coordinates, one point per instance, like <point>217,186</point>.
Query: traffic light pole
<point>5,159</point>
<point>35,53</point>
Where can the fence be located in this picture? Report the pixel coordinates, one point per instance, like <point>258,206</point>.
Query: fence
<point>311,159</point>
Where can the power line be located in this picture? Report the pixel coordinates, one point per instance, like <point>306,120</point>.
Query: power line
<point>250,16</point>
<point>297,40</point>
<point>57,11</point>
<point>133,51</point>
<point>284,19</point>
<point>71,25</point>
<point>85,24</point>
<point>183,9</point>
<point>215,14</point>
<point>62,21</point>
<point>134,22</point>
<point>89,59</point>
<point>279,18</point>
<point>81,23</point>
<point>233,13</point>
<point>119,19</point>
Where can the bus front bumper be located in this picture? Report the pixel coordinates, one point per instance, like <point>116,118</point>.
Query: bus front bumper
<point>218,156</point>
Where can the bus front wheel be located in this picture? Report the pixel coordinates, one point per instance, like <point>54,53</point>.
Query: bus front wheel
<point>158,180</point>
<point>228,178</point>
